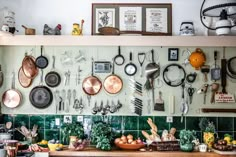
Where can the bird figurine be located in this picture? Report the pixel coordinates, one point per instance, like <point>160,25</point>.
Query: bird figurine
<point>50,31</point>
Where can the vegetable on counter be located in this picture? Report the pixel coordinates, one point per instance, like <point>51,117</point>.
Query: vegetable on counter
<point>101,136</point>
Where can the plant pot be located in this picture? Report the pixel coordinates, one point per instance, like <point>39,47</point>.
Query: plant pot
<point>188,147</point>
<point>208,138</point>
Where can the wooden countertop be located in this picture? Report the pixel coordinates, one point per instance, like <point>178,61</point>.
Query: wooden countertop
<point>124,153</point>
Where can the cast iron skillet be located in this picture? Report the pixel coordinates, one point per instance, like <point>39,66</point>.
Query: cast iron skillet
<point>41,61</point>
<point>130,68</point>
<point>119,59</point>
<point>41,96</point>
<point>53,79</point>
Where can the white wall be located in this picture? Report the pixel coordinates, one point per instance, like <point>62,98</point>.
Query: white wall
<point>35,13</point>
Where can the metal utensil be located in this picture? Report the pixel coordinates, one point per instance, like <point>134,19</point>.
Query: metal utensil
<point>216,71</point>
<point>141,59</point>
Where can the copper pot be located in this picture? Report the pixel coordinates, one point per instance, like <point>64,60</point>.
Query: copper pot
<point>24,81</point>
<point>92,85</point>
<point>29,67</point>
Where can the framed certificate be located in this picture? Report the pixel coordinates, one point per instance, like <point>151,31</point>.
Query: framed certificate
<point>142,18</point>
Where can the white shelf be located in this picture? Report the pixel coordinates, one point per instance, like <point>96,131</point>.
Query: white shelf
<point>68,40</point>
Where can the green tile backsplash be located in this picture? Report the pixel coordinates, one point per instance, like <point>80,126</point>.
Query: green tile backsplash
<point>121,124</point>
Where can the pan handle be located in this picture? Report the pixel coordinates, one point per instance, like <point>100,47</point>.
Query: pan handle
<point>24,27</point>
<point>13,80</point>
<point>130,56</point>
<point>152,51</point>
<point>41,50</point>
<point>53,62</point>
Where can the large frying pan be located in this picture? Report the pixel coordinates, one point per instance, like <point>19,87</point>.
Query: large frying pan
<point>29,67</point>
<point>23,80</point>
<point>53,79</point>
<point>113,83</point>
<point>12,97</point>
<point>41,96</point>
<point>92,85</point>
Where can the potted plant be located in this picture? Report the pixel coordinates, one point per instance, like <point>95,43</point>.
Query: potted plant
<point>186,138</point>
<point>209,131</point>
<point>72,130</point>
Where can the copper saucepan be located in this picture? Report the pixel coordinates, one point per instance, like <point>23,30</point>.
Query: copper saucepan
<point>23,80</point>
<point>113,83</point>
<point>12,97</point>
<point>29,67</point>
<point>92,85</point>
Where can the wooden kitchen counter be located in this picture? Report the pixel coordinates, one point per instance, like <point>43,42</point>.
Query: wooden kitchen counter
<point>123,153</point>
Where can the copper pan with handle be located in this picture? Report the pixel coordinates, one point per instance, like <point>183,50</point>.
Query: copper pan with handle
<point>12,97</point>
<point>24,80</point>
<point>92,84</point>
<point>29,67</point>
<point>113,83</point>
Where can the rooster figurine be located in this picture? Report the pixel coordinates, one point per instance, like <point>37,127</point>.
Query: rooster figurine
<point>50,31</point>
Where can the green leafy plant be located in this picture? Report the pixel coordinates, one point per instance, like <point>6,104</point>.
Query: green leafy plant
<point>207,126</point>
<point>101,135</point>
<point>187,136</point>
<point>72,129</point>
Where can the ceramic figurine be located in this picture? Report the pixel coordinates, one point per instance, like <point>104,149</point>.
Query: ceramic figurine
<point>77,28</point>
<point>50,31</point>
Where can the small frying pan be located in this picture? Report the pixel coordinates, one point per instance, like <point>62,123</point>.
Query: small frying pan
<point>41,61</point>
<point>113,83</point>
<point>53,79</point>
<point>92,85</point>
<point>29,67</point>
<point>119,59</point>
<point>130,68</point>
<point>12,97</point>
<point>41,96</point>
<point>23,80</point>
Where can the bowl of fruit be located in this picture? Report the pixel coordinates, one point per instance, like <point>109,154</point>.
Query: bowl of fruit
<point>129,143</point>
<point>55,145</point>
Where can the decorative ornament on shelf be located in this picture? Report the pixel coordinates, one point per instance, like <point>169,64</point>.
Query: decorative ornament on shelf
<point>52,31</point>
<point>221,11</point>
<point>78,28</point>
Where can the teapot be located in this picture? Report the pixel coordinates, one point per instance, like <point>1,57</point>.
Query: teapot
<point>186,29</point>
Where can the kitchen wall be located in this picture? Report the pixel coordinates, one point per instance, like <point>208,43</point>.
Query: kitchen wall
<point>36,13</point>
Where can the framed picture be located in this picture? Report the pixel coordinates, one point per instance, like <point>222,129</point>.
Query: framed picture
<point>138,18</point>
<point>173,54</point>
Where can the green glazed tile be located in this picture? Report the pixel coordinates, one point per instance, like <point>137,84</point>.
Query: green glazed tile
<point>97,118</point>
<point>143,125</point>
<point>130,123</point>
<point>116,122</point>
<point>117,133</point>
<point>134,133</point>
<point>52,134</point>
<point>225,124</point>
<point>21,120</point>
<point>192,123</point>
<point>222,133</point>
<point>177,134</point>
<point>160,122</point>
<point>234,135</point>
<point>7,118</point>
<point>37,120</point>
<point>50,121</point>
<point>199,135</point>
<point>177,123</point>
<point>235,124</point>
<point>40,136</point>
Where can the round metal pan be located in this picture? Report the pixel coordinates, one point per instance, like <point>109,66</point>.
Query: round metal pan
<point>12,97</point>
<point>41,61</point>
<point>53,79</point>
<point>231,65</point>
<point>113,83</point>
<point>41,96</point>
<point>29,67</point>
<point>130,68</point>
<point>119,59</point>
<point>92,85</point>
<point>23,80</point>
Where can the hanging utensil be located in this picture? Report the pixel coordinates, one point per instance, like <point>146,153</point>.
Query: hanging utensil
<point>205,69</point>
<point>130,68</point>
<point>215,71</point>
<point>159,104</point>
<point>113,83</point>
<point>1,76</point>
<point>92,85</point>
<point>12,97</point>
<point>214,89</point>
<point>119,59</point>
<point>223,72</point>
<point>41,96</point>
<point>23,80</point>
<point>41,61</point>
<point>53,79</point>
<point>141,59</point>
<point>184,106</point>
<point>29,67</point>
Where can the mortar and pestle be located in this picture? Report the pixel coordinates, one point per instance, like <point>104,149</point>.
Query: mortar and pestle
<point>29,31</point>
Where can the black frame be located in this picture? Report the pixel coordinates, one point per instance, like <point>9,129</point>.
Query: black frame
<point>170,55</point>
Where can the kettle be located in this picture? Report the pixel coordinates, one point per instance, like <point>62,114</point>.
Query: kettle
<point>186,29</point>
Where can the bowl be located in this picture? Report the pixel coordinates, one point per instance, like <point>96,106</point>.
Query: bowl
<point>53,147</point>
<point>130,146</point>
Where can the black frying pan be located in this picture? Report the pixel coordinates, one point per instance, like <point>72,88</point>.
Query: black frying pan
<point>53,79</point>
<point>41,61</point>
<point>119,59</point>
<point>130,68</point>
<point>41,96</point>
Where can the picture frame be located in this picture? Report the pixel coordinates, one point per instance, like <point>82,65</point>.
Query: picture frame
<point>173,54</point>
<point>133,18</point>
